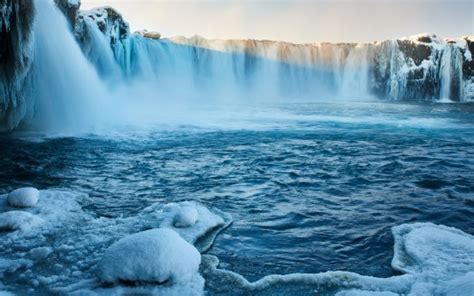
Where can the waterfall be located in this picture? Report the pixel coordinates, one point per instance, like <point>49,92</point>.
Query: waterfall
<point>105,75</point>
<point>68,93</point>
<point>445,74</point>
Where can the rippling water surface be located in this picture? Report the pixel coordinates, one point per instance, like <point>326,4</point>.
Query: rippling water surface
<point>311,187</point>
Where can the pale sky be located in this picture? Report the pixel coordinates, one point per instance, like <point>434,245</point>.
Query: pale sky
<point>297,21</point>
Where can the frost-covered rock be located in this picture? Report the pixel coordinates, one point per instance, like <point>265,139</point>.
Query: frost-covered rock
<point>157,255</point>
<point>26,197</point>
<point>186,216</point>
<point>18,220</point>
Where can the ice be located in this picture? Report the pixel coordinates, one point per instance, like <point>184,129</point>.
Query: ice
<point>40,253</point>
<point>9,265</point>
<point>26,197</point>
<point>72,242</point>
<point>437,260</point>
<point>461,286</point>
<point>434,250</point>
<point>18,221</point>
<point>157,255</point>
<point>186,216</point>
<point>206,220</point>
<point>365,293</point>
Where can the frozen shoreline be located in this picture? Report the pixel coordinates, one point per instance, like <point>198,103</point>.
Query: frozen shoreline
<point>435,259</point>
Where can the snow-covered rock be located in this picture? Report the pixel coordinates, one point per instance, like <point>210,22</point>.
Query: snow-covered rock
<point>186,216</point>
<point>157,255</point>
<point>18,220</point>
<point>26,197</point>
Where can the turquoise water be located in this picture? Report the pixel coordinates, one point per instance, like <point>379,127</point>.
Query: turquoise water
<point>311,187</point>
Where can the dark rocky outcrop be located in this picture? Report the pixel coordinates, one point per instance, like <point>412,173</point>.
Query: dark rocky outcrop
<point>70,8</point>
<point>16,56</point>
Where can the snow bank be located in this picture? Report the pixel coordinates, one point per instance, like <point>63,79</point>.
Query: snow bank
<point>157,255</point>
<point>23,197</point>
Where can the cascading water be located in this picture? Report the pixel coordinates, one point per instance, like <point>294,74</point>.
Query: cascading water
<point>127,75</point>
<point>68,94</point>
<point>445,74</point>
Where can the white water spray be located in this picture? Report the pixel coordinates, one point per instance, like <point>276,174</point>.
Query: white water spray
<point>68,94</point>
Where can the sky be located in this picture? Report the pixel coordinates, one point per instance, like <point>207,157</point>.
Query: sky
<point>299,21</point>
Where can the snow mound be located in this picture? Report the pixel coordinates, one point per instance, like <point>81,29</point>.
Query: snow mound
<point>207,221</point>
<point>186,216</point>
<point>157,255</point>
<point>18,221</point>
<point>26,197</point>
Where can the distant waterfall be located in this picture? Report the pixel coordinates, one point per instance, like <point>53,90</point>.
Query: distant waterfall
<point>272,70</point>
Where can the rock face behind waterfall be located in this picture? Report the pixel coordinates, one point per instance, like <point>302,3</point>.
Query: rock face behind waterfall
<point>16,56</point>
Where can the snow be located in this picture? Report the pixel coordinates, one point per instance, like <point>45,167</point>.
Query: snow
<point>74,3</point>
<point>23,197</point>
<point>40,253</point>
<point>18,221</point>
<point>58,227</point>
<point>157,255</point>
<point>11,266</point>
<point>186,216</point>
<point>365,293</point>
<point>461,286</point>
<point>434,259</point>
<point>432,249</point>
